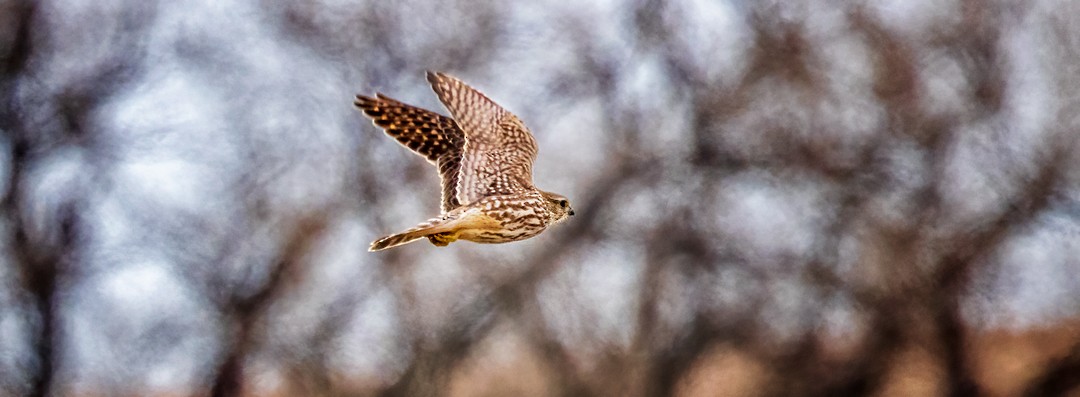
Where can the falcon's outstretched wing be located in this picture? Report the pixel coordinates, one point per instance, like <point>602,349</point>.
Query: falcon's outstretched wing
<point>431,135</point>
<point>499,151</point>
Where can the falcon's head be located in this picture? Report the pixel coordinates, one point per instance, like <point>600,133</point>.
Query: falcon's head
<point>558,207</point>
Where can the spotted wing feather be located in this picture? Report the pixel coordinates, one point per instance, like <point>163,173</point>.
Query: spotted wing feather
<point>499,150</point>
<point>433,136</point>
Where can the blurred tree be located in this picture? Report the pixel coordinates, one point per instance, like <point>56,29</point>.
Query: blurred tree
<point>773,198</point>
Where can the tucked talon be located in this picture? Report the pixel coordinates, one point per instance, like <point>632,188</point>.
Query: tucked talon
<point>441,239</point>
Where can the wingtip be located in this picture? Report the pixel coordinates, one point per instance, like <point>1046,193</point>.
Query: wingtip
<point>440,77</point>
<point>360,99</point>
<point>378,97</point>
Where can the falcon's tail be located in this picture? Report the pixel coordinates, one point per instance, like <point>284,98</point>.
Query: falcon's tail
<point>429,227</point>
<point>395,240</point>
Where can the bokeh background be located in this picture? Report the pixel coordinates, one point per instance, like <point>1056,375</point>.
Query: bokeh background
<point>774,198</point>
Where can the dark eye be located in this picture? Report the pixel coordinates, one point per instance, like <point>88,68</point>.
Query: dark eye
<point>562,203</point>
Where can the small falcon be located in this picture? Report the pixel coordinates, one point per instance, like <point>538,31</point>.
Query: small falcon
<point>484,155</point>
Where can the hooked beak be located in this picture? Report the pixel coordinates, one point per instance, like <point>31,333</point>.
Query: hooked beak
<point>571,212</point>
